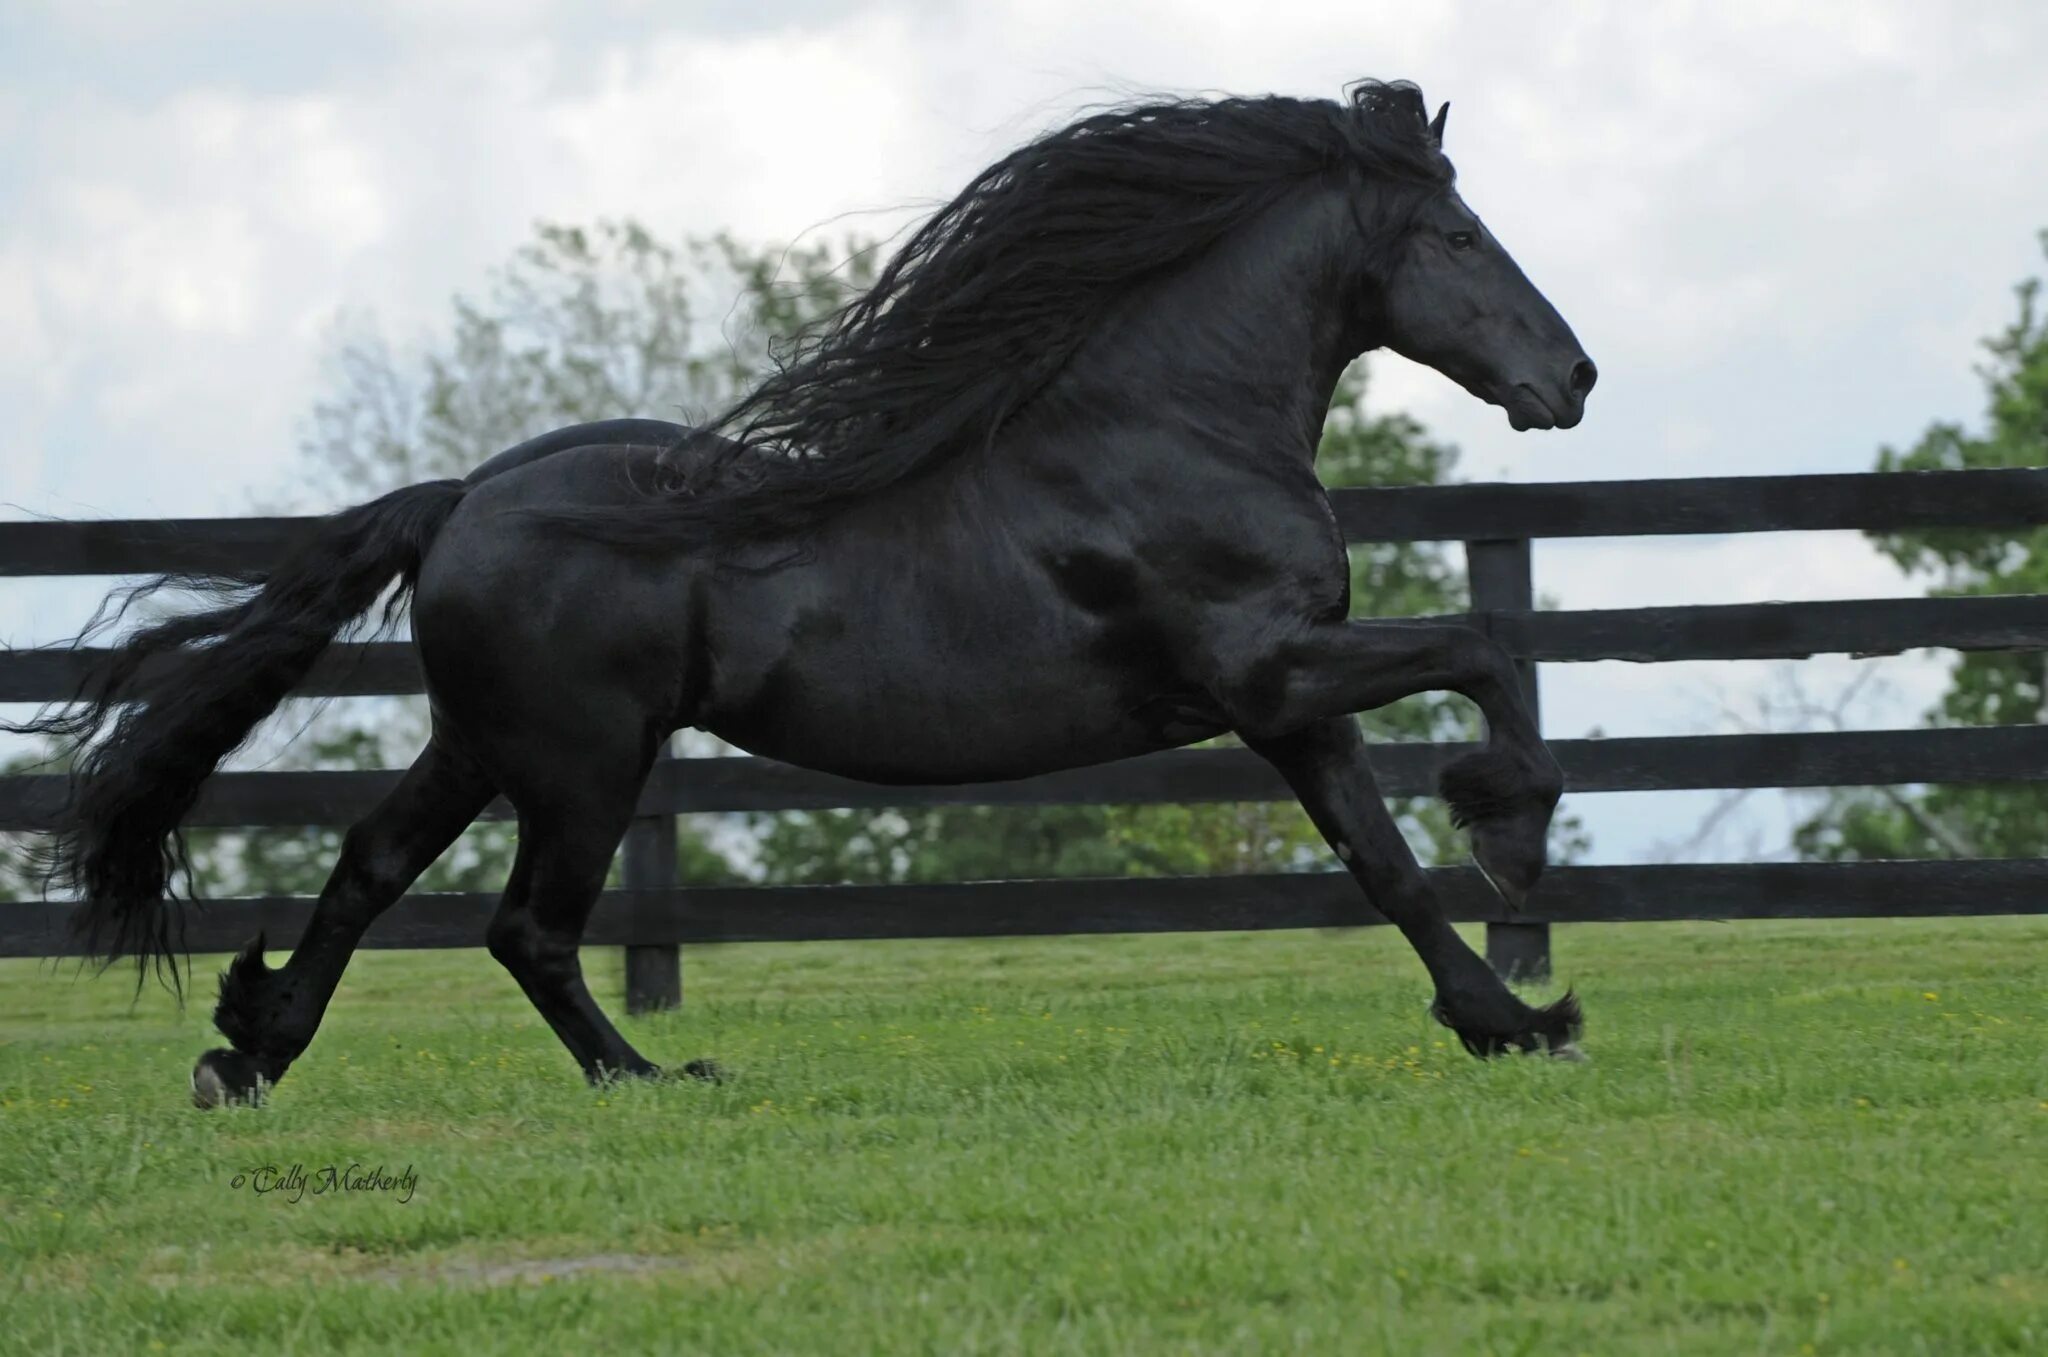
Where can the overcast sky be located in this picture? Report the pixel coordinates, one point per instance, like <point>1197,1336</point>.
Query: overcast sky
<point>1780,229</point>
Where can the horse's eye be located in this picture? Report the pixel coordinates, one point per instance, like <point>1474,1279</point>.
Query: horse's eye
<point>1461,240</point>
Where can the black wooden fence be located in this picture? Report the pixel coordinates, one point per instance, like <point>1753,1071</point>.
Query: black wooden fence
<point>652,913</point>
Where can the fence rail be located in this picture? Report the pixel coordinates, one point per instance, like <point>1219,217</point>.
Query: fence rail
<point>1496,522</point>
<point>1863,501</point>
<point>1728,631</point>
<point>667,916</point>
<point>1191,776</point>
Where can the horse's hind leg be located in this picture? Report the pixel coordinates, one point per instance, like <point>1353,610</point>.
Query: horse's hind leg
<point>1326,766</point>
<point>270,1016</point>
<point>569,825</point>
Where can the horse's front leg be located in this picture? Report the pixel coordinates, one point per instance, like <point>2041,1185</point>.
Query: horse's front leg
<point>1326,766</point>
<point>1504,792</point>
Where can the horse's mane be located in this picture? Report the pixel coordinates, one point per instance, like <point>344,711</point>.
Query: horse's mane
<point>990,298</point>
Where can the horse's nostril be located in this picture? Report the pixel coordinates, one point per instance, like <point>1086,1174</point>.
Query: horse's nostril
<point>1584,374</point>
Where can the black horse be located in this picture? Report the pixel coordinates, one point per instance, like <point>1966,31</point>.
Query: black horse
<point>1044,496</point>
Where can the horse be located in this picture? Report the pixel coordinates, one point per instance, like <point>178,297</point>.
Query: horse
<point>1043,496</point>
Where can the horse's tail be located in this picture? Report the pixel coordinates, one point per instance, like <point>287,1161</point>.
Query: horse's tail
<point>154,720</point>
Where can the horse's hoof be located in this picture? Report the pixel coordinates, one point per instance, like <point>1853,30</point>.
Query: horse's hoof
<point>1510,854</point>
<point>1557,1029</point>
<point>1553,1030</point>
<point>225,1078</point>
<point>709,1071</point>
<point>1510,894</point>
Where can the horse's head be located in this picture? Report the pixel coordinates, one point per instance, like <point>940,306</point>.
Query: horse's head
<point>1453,298</point>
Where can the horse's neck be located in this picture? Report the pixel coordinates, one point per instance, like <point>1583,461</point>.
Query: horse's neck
<point>1202,385</point>
<point>1239,351</point>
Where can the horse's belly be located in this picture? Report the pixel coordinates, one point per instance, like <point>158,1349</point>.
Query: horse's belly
<point>962,721</point>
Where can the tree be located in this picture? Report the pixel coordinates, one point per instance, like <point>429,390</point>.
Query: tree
<point>581,324</point>
<point>1990,688</point>
<point>18,879</point>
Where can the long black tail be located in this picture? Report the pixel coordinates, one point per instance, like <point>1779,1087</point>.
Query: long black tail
<point>158,716</point>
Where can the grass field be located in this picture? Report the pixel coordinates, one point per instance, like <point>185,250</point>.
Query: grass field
<point>1828,1138</point>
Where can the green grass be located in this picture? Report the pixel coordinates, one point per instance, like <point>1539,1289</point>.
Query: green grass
<point>1828,1138</point>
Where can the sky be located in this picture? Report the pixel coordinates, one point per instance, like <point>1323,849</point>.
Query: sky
<point>1779,229</point>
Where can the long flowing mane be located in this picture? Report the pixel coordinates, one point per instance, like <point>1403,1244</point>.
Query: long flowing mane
<point>990,298</point>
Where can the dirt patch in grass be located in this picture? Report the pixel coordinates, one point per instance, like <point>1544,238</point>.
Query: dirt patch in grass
<point>530,1272</point>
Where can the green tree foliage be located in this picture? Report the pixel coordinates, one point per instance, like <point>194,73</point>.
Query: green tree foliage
<point>17,876</point>
<point>1991,688</point>
<point>582,324</point>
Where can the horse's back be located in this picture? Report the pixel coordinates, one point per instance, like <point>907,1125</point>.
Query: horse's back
<point>635,433</point>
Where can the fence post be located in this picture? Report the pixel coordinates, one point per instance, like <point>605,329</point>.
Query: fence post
<point>1501,575</point>
<point>654,971</point>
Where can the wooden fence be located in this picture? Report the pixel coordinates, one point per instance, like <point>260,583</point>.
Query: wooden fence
<point>652,913</point>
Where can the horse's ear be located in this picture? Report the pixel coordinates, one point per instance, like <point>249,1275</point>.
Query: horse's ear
<point>1436,126</point>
